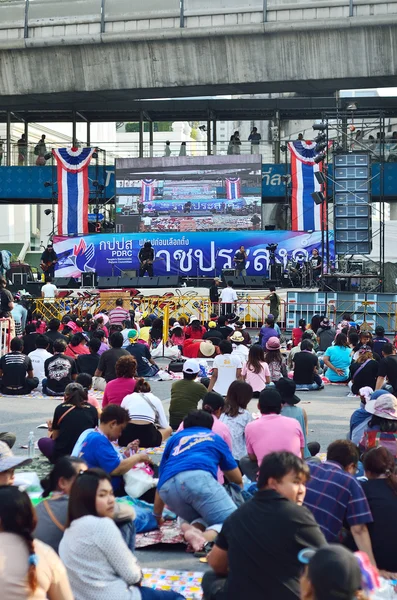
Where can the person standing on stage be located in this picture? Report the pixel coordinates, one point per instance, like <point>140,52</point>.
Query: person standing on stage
<point>214,294</point>
<point>228,299</point>
<point>146,258</point>
<point>316,262</point>
<point>240,259</point>
<point>48,260</point>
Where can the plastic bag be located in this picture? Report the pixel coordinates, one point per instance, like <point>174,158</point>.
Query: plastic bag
<point>139,480</point>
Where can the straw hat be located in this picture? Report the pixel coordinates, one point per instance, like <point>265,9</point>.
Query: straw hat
<point>207,348</point>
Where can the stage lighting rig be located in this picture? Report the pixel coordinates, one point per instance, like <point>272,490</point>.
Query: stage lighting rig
<point>320,126</point>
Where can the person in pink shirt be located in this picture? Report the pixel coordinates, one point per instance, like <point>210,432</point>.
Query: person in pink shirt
<point>214,404</point>
<point>85,380</point>
<point>77,346</point>
<point>272,432</point>
<point>256,371</point>
<point>124,384</point>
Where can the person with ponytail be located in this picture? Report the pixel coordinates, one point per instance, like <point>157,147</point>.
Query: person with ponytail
<point>29,569</point>
<point>297,332</point>
<point>148,422</point>
<point>52,511</point>
<point>71,418</point>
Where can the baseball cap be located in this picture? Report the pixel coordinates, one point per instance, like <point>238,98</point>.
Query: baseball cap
<point>193,318</point>
<point>211,325</point>
<point>132,334</point>
<point>333,571</point>
<point>191,366</point>
<point>9,461</point>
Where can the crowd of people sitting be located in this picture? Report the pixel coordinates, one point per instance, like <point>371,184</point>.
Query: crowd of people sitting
<point>253,496</point>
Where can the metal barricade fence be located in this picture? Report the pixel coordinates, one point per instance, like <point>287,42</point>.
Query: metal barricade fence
<point>6,332</point>
<point>296,310</point>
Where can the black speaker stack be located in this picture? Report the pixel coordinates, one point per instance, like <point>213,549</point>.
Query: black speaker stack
<point>166,281</point>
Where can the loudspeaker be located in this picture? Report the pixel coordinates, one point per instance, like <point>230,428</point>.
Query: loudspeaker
<point>238,281</point>
<point>147,282</point>
<point>228,273</point>
<point>66,282</point>
<point>253,281</point>
<point>275,271</point>
<point>108,282</point>
<point>88,280</point>
<point>20,279</point>
<point>318,197</point>
<point>169,281</point>
<point>128,282</point>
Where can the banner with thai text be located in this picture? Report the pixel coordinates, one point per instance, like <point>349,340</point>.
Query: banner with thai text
<point>193,253</point>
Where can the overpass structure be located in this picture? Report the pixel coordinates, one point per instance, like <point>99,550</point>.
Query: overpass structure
<point>62,53</point>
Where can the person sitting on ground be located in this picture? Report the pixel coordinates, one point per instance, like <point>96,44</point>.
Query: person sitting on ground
<point>387,372</point>
<point>353,338</point>
<point>267,331</point>
<point>199,349</point>
<point>364,371</point>
<point>240,327</point>
<point>148,422</point>
<point>100,334</point>
<point>380,490</point>
<point>9,462</point>
<point>226,369</point>
<point>77,346</point>
<point>88,363</point>
<point>256,370</point>
<point>331,572</point>
<point>124,384</point>
<point>360,417</point>
<point>335,497</point>
<point>60,370</point>
<point>224,327</point>
<point>379,340</point>
<point>213,334</point>
<point>365,339</point>
<point>118,314</point>
<point>214,404</point>
<point>275,360</point>
<point>338,358</point>
<point>16,371</point>
<point>30,337</point>
<point>185,393</point>
<point>53,333</point>
<point>38,358</point>
<point>70,419</point>
<point>297,332</point>
<point>306,368</point>
<point>239,347</point>
<point>98,561</point>
<point>52,512</point>
<point>177,336</point>
<point>144,332</point>
<point>255,556</point>
<point>146,366</point>
<point>271,433</point>
<point>102,321</point>
<point>381,429</point>
<point>127,326</point>
<point>195,330</point>
<point>85,379</point>
<point>29,568</point>
<point>236,416</point>
<point>188,479</point>
<point>156,333</point>
<point>325,335</point>
<point>98,451</point>
<point>106,370</point>
<point>290,360</point>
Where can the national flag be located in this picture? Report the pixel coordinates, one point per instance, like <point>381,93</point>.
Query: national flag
<point>147,189</point>
<point>233,188</point>
<point>73,189</point>
<point>306,215</point>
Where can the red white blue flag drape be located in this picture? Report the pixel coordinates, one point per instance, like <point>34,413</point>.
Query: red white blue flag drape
<point>147,189</point>
<point>306,215</point>
<point>233,188</point>
<point>73,189</point>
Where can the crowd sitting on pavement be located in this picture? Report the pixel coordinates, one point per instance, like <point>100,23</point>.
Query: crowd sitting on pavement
<point>272,516</point>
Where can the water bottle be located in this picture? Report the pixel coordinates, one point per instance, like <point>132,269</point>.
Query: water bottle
<point>31,445</point>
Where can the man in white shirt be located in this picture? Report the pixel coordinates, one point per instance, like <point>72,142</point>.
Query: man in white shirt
<point>228,299</point>
<point>239,347</point>
<point>49,290</point>
<point>226,369</point>
<point>38,358</point>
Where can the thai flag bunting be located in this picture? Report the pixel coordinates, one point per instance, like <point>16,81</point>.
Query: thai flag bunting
<point>73,189</point>
<point>233,188</point>
<point>147,190</point>
<point>306,215</point>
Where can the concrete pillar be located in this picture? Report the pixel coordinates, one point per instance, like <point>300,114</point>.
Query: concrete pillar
<point>344,133</point>
<point>214,137</point>
<point>8,138</point>
<point>277,141</point>
<point>141,136</point>
<point>88,134</point>
<point>208,137</point>
<point>150,138</point>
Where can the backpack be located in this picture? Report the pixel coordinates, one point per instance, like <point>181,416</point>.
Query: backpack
<point>36,150</point>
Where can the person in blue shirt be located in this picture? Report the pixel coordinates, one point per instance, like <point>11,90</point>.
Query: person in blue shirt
<point>267,331</point>
<point>98,451</point>
<point>188,479</point>
<point>338,359</point>
<point>19,313</point>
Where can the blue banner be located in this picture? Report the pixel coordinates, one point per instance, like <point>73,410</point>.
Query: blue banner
<point>194,253</point>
